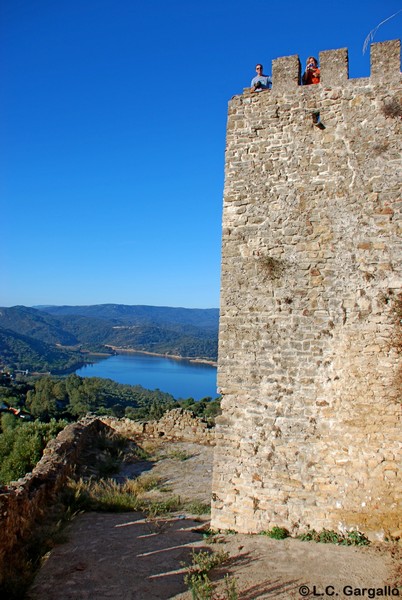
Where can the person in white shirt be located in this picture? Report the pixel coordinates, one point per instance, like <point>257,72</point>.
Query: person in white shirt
<point>260,82</point>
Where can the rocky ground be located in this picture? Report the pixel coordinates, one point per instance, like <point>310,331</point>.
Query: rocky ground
<point>126,556</point>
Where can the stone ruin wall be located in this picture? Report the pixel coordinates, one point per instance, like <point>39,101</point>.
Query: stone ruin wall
<point>176,425</point>
<point>24,503</point>
<point>310,434</point>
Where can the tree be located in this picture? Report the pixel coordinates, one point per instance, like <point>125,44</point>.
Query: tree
<point>42,401</point>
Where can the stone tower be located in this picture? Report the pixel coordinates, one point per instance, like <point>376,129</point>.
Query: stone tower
<point>311,302</point>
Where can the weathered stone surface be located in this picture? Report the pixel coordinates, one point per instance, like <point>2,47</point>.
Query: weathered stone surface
<point>177,424</point>
<point>311,302</point>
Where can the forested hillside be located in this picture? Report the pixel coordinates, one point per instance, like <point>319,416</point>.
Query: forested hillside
<point>57,338</point>
<point>22,352</point>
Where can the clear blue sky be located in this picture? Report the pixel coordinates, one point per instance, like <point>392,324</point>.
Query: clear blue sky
<point>112,121</point>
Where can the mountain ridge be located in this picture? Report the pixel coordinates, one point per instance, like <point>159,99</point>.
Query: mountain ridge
<point>134,312</point>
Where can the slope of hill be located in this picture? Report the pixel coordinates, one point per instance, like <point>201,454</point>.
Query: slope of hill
<point>26,353</point>
<point>34,323</point>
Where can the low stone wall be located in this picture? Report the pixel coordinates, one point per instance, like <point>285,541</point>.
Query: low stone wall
<point>23,503</point>
<point>177,424</point>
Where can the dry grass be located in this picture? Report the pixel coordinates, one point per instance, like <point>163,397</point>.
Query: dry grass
<point>110,496</point>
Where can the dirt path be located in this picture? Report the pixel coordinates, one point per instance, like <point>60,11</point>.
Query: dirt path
<point>124,556</point>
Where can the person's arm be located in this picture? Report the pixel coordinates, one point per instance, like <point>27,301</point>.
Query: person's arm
<point>254,83</point>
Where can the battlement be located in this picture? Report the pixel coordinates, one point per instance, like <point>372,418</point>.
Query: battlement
<point>334,66</point>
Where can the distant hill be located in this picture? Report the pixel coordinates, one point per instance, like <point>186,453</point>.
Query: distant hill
<point>142,314</point>
<point>179,331</point>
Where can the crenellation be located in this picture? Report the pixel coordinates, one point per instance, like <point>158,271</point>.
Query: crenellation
<point>286,72</point>
<point>385,59</point>
<point>334,67</point>
<point>308,363</point>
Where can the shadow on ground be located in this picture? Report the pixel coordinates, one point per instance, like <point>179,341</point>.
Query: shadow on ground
<point>125,556</point>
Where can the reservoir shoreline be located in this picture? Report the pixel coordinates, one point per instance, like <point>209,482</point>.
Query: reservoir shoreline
<point>203,361</point>
<point>180,377</point>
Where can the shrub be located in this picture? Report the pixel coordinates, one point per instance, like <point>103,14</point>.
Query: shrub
<point>22,445</point>
<point>197,578</point>
<point>328,536</point>
<point>277,533</point>
<point>200,586</point>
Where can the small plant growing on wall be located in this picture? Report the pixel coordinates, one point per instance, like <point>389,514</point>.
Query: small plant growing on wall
<point>393,109</point>
<point>380,148</point>
<point>394,302</point>
<point>272,267</point>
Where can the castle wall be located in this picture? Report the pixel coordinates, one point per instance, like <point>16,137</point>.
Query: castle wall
<point>311,302</point>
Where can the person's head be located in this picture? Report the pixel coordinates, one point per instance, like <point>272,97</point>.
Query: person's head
<point>311,61</point>
<point>259,68</point>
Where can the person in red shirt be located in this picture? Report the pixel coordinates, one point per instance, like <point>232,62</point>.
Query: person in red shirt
<point>312,72</point>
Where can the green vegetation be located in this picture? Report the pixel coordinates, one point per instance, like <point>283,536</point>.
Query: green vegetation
<point>206,408</point>
<point>108,495</point>
<point>22,444</point>
<point>276,533</point>
<point>230,588</point>
<point>198,508</point>
<point>74,397</point>
<point>174,454</point>
<point>210,534</point>
<point>328,536</point>
<point>103,495</point>
<point>200,586</point>
<point>197,575</point>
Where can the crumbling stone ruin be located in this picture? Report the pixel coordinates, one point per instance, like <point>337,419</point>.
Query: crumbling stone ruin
<point>176,424</point>
<point>311,302</point>
<point>26,502</point>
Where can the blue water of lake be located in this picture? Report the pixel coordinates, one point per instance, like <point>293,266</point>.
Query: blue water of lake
<point>181,378</point>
